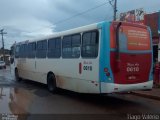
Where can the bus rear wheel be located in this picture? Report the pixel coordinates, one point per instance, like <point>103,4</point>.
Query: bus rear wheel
<point>51,83</point>
<point>18,79</point>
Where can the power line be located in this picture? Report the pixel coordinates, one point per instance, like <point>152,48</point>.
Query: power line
<point>106,16</point>
<point>81,13</point>
<point>76,15</point>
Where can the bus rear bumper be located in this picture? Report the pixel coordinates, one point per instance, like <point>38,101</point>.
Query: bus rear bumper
<point>115,88</point>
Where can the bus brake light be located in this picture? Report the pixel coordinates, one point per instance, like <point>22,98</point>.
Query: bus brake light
<point>105,70</point>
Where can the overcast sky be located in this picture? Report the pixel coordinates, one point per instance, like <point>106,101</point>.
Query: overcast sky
<point>27,19</point>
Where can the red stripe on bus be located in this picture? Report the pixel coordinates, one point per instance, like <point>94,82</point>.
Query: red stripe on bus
<point>80,68</point>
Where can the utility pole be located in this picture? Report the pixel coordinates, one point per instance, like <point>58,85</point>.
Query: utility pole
<point>115,10</point>
<point>114,5</point>
<point>3,52</point>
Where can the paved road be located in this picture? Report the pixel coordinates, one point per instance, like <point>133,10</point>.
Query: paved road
<point>30,98</point>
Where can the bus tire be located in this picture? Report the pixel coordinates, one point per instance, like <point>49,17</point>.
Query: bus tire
<point>51,83</point>
<point>17,78</point>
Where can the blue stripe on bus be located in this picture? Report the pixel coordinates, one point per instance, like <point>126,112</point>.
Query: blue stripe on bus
<point>133,52</point>
<point>151,71</point>
<point>104,60</point>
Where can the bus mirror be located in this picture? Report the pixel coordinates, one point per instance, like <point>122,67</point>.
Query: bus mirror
<point>117,40</point>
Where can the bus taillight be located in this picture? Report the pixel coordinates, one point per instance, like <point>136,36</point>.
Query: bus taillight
<point>107,72</point>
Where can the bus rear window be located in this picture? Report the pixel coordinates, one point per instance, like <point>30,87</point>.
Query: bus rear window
<point>138,38</point>
<point>131,38</point>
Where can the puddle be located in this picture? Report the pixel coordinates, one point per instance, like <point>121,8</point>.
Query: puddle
<point>15,101</point>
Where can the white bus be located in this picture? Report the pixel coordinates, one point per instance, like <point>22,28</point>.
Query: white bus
<point>104,57</point>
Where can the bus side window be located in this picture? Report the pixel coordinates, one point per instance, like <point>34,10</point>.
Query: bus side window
<point>76,42</point>
<point>71,46</point>
<point>90,44</point>
<point>31,50</point>
<point>17,51</point>
<point>41,49</point>
<point>66,50</point>
<point>54,48</point>
<point>23,51</point>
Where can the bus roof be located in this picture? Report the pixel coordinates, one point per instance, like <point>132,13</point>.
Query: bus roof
<point>66,32</point>
<point>76,30</point>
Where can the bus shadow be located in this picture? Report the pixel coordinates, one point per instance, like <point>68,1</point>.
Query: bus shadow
<point>111,101</point>
<point>36,88</point>
<point>31,85</point>
<point>118,102</point>
<point>95,98</point>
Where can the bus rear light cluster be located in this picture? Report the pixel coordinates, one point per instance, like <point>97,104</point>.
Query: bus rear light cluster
<point>107,72</point>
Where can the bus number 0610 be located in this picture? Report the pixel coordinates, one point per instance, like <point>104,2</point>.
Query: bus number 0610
<point>132,69</point>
